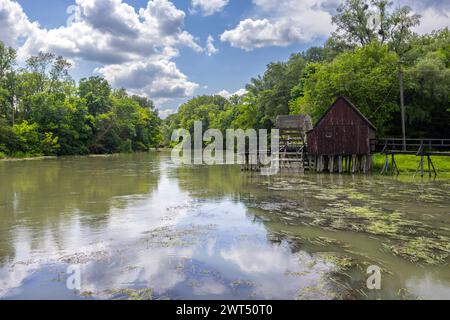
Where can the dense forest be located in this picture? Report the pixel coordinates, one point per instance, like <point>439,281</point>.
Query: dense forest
<point>45,112</point>
<point>361,60</point>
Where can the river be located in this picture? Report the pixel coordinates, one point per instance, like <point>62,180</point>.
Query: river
<point>139,227</point>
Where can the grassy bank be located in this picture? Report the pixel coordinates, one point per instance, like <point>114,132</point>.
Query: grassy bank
<point>22,156</point>
<point>409,163</point>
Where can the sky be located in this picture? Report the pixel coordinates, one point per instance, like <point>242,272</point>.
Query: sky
<point>173,50</point>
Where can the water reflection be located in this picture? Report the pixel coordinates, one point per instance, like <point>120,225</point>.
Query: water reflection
<point>138,222</point>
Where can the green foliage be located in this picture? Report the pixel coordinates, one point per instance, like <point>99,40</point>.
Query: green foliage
<point>43,112</point>
<point>96,92</point>
<point>361,61</point>
<point>27,140</point>
<point>367,76</point>
<point>49,144</point>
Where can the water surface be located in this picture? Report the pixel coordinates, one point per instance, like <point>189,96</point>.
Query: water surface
<point>138,227</point>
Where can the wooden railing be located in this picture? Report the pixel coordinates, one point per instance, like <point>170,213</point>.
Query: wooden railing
<point>412,146</point>
<point>423,148</point>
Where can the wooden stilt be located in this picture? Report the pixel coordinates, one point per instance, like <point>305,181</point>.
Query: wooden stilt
<point>364,164</point>
<point>340,164</point>
<point>420,167</point>
<point>353,163</point>
<point>432,165</point>
<point>392,164</point>
<point>386,165</point>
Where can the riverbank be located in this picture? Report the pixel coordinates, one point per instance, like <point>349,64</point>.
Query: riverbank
<point>4,157</point>
<point>406,163</point>
<point>409,163</point>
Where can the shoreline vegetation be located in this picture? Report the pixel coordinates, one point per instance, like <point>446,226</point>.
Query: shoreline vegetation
<point>407,164</point>
<point>44,112</point>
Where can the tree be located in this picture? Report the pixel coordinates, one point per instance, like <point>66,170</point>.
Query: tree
<point>353,21</point>
<point>7,82</point>
<point>366,76</point>
<point>55,117</point>
<point>96,91</point>
<point>362,22</point>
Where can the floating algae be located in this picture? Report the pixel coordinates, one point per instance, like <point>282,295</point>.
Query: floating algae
<point>131,294</point>
<point>242,283</point>
<point>382,227</point>
<point>423,250</point>
<point>168,237</point>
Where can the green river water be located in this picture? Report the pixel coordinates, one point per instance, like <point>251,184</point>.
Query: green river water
<point>139,227</point>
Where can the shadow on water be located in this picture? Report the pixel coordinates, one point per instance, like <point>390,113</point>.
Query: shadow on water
<point>140,227</point>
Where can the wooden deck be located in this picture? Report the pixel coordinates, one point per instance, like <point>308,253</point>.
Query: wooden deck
<point>293,157</point>
<point>422,148</point>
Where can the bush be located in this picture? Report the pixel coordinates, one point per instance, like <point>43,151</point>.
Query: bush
<point>49,144</point>
<point>125,146</point>
<point>28,141</point>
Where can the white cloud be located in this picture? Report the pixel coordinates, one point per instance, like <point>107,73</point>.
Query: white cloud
<point>433,19</point>
<point>166,112</point>
<point>155,78</point>
<point>226,94</point>
<point>281,24</point>
<point>14,23</point>
<point>114,34</point>
<point>210,48</point>
<point>209,7</point>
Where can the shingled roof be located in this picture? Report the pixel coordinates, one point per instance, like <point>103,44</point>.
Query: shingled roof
<point>351,106</point>
<point>299,122</point>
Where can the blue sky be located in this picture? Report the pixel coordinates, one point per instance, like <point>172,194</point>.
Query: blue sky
<point>159,48</point>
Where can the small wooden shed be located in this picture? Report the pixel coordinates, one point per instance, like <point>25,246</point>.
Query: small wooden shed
<point>292,135</point>
<point>294,122</point>
<point>293,129</point>
<point>343,133</point>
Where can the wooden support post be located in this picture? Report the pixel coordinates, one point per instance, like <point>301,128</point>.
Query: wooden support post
<point>349,164</point>
<point>392,163</point>
<point>420,167</point>
<point>432,165</point>
<point>332,164</point>
<point>364,164</point>
<point>386,164</point>
<point>353,163</point>
<point>340,164</point>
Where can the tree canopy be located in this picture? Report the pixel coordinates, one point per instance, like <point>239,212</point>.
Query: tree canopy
<point>361,60</point>
<point>44,112</point>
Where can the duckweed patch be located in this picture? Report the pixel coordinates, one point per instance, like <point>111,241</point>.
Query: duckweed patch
<point>407,237</point>
<point>423,250</point>
<point>131,294</point>
<point>173,237</point>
